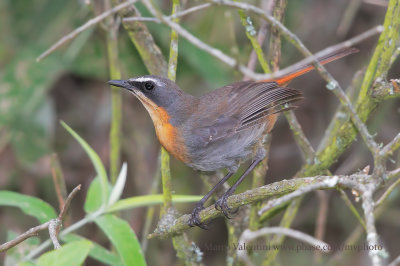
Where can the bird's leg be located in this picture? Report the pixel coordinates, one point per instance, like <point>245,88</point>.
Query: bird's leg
<point>195,218</point>
<point>221,203</point>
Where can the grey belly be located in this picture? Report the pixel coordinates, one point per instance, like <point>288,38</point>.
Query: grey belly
<point>229,152</point>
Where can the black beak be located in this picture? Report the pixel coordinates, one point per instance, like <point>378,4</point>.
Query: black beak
<point>121,83</point>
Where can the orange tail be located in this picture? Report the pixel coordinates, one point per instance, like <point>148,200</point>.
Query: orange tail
<point>307,68</point>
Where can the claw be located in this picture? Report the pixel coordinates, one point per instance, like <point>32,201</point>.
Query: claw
<point>195,218</point>
<point>222,205</point>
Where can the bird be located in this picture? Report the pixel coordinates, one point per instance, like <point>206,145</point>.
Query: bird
<point>221,129</point>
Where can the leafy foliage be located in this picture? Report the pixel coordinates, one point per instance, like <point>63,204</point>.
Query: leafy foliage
<point>32,206</point>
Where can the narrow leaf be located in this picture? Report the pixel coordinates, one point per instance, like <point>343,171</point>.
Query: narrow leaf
<point>30,205</point>
<point>119,185</point>
<point>97,252</point>
<point>71,254</point>
<point>98,165</point>
<point>93,200</point>
<point>123,238</point>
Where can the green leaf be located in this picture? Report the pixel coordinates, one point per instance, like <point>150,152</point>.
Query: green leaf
<point>123,238</point>
<point>71,254</point>
<point>97,252</point>
<point>30,205</point>
<point>93,197</point>
<point>98,165</point>
<point>147,200</point>
<point>119,185</point>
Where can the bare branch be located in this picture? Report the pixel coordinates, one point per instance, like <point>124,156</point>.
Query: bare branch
<point>301,139</point>
<point>390,147</point>
<point>372,236</point>
<point>68,202</point>
<point>387,192</point>
<point>173,16</point>
<point>58,179</point>
<point>31,232</point>
<point>53,226</point>
<point>271,190</point>
<point>328,183</point>
<point>195,41</point>
<point>84,27</point>
<point>393,174</point>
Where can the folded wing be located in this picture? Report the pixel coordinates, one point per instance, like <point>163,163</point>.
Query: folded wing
<point>249,104</point>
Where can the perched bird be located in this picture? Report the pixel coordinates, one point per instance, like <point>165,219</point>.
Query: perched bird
<point>220,129</point>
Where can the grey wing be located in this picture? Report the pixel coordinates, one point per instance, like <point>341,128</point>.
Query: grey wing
<point>248,106</point>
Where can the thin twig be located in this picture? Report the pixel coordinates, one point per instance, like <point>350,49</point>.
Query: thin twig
<point>301,139</point>
<point>30,233</point>
<point>387,193</point>
<point>68,202</point>
<point>195,41</point>
<point>393,174</point>
<point>85,26</point>
<point>58,179</point>
<point>332,182</point>
<point>372,235</point>
<point>173,16</point>
<point>391,147</point>
<point>53,226</point>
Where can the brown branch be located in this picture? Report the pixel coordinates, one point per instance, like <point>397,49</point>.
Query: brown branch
<point>173,16</point>
<point>53,226</point>
<point>58,180</point>
<point>271,190</point>
<point>84,27</point>
<point>30,233</point>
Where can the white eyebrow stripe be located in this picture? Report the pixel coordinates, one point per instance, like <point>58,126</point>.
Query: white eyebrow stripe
<point>144,79</point>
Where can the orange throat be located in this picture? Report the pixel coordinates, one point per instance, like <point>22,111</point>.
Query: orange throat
<point>167,134</point>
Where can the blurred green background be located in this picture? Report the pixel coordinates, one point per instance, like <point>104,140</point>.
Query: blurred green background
<point>70,85</point>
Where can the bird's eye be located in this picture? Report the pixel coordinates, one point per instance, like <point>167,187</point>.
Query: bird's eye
<point>149,86</point>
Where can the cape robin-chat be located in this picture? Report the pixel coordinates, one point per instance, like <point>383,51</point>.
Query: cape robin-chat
<point>220,129</point>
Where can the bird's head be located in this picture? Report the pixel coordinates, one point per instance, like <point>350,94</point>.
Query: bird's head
<point>152,91</point>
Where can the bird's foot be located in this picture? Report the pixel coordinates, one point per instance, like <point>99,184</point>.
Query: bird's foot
<point>222,205</point>
<point>195,218</point>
